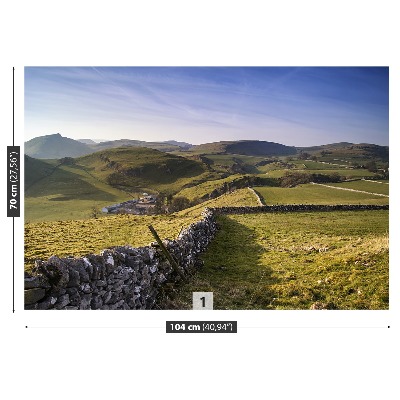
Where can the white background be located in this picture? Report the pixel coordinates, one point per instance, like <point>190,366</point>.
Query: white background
<point>123,354</point>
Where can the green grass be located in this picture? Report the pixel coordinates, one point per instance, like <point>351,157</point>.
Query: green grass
<point>318,166</point>
<point>367,186</point>
<point>238,198</point>
<point>69,192</point>
<point>206,188</point>
<point>80,237</point>
<point>224,162</point>
<point>36,170</point>
<point>142,168</point>
<point>346,173</point>
<point>335,260</point>
<point>316,194</point>
<point>341,152</point>
<point>230,159</point>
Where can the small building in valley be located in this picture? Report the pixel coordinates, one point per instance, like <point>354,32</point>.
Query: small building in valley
<point>134,206</point>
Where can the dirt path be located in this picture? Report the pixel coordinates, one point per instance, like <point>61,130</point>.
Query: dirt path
<point>259,201</point>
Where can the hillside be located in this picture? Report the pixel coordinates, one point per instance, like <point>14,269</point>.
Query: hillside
<point>55,146</point>
<point>36,170</point>
<point>361,151</point>
<point>70,188</point>
<point>134,168</point>
<point>135,143</point>
<point>246,147</point>
<point>87,141</point>
<point>183,145</point>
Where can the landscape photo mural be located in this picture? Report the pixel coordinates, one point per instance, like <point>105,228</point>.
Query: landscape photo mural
<point>265,186</point>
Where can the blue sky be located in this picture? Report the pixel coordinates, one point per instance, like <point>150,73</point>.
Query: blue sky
<point>294,106</point>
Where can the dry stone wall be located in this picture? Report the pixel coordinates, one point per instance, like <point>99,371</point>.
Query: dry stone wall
<point>130,278</point>
<point>297,208</point>
<point>120,277</point>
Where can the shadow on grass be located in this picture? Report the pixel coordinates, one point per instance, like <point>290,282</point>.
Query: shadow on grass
<point>232,271</point>
<point>66,186</point>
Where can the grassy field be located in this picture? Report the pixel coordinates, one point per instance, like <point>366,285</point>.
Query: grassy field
<point>346,173</point>
<point>136,169</point>
<point>351,153</point>
<point>367,186</point>
<point>315,165</point>
<point>206,188</point>
<point>335,260</point>
<point>230,159</point>
<point>90,235</point>
<point>55,191</point>
<point>316,194</point>
<point>80,237</point>
<point>238,198</point>
<point>68,192</point>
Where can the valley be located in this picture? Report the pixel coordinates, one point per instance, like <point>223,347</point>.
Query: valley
<point>257,261</point>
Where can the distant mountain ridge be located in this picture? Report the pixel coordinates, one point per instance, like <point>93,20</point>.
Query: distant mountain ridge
<point>87,141</point>
<point>246,147</point>
<point>166,147</point>
<point>183,145</point>
<point>55,146</point>
<point>345,148</point>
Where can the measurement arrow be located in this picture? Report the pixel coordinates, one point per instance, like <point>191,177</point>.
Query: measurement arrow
<point>13,183</point>
<point>13,124</point>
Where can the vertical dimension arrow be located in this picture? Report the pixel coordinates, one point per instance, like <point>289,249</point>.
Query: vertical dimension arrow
<point>13,187</point>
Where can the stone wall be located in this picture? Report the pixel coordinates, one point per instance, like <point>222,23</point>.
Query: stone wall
<point>296,208</point>
<point>120,277</point>
<point>130,278</point>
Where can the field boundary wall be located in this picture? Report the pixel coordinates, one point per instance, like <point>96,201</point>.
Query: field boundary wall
<point>121,277</point>
<point>297,208</point>
<point>130,278</point>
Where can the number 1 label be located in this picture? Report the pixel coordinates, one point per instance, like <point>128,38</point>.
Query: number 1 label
<point>202,300</point>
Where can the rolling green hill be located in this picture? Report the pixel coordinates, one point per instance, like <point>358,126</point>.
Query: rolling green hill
<point>245,147</point>
<point>36,170</point>
<point>70,188</point>
<point>133,168</point>
<point>55,146</point>
<point>344,151</point>
<point>135,143</point>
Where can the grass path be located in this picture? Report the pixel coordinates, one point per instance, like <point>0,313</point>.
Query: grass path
<point>259,201</point>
